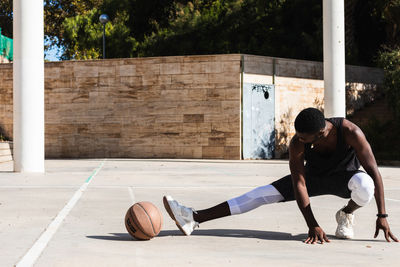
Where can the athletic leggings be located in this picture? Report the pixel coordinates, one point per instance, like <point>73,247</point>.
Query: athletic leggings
<point>360,186</point>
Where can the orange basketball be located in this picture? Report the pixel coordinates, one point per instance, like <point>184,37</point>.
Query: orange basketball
<point>143,220</point>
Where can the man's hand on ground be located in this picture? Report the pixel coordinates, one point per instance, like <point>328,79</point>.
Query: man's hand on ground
<point>381,223</point>
<point>316,234</point>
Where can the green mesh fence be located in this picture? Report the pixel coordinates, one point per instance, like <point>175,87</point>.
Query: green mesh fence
<point>6,47</point>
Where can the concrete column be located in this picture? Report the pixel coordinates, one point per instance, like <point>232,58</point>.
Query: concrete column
<point>334,58</point>
<point>28,75</point>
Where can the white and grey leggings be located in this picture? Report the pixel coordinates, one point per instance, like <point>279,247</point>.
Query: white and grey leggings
<point>360,185</point>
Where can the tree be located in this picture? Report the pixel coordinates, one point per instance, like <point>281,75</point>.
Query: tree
<point>130,22</point>
<point>6,18</point>
<point>391,14</point>
<point>389,60</point>
<point>83,36</point>
<point>283,28</point>
<point>275,28</point>
<point>57,11</point>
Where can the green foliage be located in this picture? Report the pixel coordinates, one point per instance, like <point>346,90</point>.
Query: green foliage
<point>378,133</point>
<point>389,60</point>
<point>376,23</point>
<point>3,138</point>
<point>247,26</point>
<point>282,28</point>
<point>6,47</point>
<point>391,14</point>
<point>195,28</point>
<point>6,17</point>
<point>130,21</point>
<point>369,31</point>
<point>55,14</point>
<point>188,27</point>
<point>145,16</point>
<point>83,36</point>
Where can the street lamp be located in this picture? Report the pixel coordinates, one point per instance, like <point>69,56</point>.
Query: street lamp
<point>104,19</point>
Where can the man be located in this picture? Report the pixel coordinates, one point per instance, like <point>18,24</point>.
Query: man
<point>333,150</point>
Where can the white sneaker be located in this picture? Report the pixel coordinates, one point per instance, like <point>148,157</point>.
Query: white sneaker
<point>345,225</point>
<point>183,216</point>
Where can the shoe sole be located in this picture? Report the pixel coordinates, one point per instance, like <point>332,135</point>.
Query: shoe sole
<point>171,214</point>
<point>343,237</point>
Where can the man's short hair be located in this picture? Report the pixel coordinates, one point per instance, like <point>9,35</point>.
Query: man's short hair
<point>309,120</point>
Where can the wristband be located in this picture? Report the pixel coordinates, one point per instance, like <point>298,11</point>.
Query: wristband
<point>382,215</point>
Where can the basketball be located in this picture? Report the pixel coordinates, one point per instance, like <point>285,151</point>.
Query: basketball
<point>143,220</point>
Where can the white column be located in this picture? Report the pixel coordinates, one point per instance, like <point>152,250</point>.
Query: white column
<point>334,58</point>
<point>28,75</point>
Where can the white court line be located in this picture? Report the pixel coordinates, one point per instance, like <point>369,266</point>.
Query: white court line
<point>196,187</point>
<point>38,186</point>
<point>131,194</point>
<point>391,199</point>
<point>392,189</point>
<point>122,186</point>
<point>36,250</point>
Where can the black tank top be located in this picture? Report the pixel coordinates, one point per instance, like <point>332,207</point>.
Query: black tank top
<point>343,159</point>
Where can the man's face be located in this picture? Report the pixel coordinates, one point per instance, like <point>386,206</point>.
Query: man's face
<point>310,138</point>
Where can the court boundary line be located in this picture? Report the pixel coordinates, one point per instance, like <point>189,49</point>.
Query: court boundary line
<point>38,247</point>
<point>131,194</point>
<point>123,187</point>
<point>392,199</point>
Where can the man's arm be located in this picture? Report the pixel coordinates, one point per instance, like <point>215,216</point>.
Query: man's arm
<point>296,164</point>
<point>356,139</point>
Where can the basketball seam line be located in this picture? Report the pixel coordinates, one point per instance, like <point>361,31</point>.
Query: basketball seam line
<point>130,226</point>
<point>152,226</point>
<point>138,225</point>
<point>136,231</point>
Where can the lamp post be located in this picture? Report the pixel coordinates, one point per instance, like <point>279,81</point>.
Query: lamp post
<point>104,19</point>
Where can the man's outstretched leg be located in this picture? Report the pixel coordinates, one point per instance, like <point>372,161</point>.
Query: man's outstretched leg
<point>187,218</point>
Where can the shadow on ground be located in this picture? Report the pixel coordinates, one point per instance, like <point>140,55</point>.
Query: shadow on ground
<point>233,233</point>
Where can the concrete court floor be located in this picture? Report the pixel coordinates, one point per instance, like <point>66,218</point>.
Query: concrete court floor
<point>93,232</point>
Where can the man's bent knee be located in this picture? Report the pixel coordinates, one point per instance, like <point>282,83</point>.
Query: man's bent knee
<point>362,188</point>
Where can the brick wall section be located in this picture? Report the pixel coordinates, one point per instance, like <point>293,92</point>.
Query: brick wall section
<point>175,107</point>
<point>6,100</point>
<point>299,84</point>
<point>171,107</point>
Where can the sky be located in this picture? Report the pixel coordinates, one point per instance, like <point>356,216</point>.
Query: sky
<point>52,54</point>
